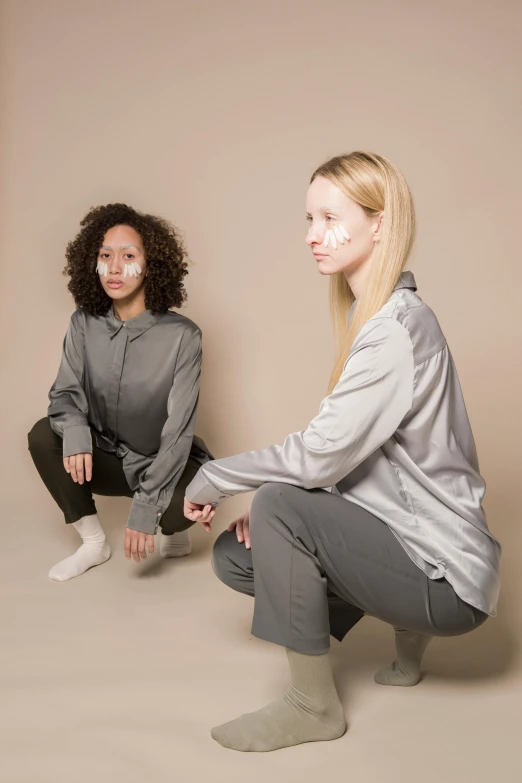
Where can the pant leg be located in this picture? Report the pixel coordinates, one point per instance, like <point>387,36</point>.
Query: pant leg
<point>233,564</point>
<point>173,520</point>
<point>305,542</point>
<point>75,500</point>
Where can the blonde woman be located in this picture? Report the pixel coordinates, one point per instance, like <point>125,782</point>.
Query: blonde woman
<point>400,532</point>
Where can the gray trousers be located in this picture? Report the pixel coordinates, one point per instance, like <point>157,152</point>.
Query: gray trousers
<point>319,563</point>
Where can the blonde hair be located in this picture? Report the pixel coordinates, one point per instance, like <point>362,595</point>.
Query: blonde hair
<point>377,186</point>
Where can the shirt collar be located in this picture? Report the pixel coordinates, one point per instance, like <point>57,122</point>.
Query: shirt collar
<point>406,280</point>
<point>134,326</point>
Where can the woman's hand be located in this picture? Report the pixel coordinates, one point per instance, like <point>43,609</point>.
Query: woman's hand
<point>79,466</point>
<point>136,543</point>
<point>242,528</point>
<point>198,513</point>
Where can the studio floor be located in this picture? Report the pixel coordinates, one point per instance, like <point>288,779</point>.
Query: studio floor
<point>118,676</point>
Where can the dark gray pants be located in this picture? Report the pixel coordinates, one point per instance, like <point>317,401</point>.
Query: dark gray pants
<point>76,500</point>
<point>318,563</point>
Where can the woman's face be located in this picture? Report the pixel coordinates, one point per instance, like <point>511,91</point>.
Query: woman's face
<point>121,263</point>
<point>342,236</point>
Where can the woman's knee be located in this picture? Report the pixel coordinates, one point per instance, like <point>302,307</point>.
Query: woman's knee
<point>41,438</point>
<point>450,614</point>
<point>220,559</point>
<point>232,563</point>
<point>270,496</point>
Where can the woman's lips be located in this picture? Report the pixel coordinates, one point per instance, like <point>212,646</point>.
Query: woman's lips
<point>114,284</point>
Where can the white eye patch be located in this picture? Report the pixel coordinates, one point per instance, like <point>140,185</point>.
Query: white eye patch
<point>133,270</point>
<point>335,233</point>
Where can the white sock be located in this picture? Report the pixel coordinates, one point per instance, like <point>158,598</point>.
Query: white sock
<point>177,545</point>
<point>94,551</point>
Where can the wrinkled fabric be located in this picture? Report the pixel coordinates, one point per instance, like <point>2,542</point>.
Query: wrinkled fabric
<point>135,385</point>
<point>393,437</point>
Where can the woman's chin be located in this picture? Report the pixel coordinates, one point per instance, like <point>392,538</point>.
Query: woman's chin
<point>326,267</point>
<point>117,293</point>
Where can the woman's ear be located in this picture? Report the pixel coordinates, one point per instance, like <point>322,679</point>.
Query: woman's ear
<point>378,226</point>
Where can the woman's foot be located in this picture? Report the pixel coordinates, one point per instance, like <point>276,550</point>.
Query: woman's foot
<point>84,558</point>
<point>176,545</point>
<point>406,670</point>
<point>94,551</point>
<point>310,711</point>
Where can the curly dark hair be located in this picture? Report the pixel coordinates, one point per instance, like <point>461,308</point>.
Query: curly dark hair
<point>164,252</point>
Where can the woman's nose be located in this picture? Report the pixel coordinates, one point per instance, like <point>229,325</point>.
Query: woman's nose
<point>115,265</point>
<point>312,237</point>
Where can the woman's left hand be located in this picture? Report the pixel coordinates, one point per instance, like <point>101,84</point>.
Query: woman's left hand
<point>242,528</point>
<point>136,544</point>
<point>198,513</point>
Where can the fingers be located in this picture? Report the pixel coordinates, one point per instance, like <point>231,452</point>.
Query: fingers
<point>134,546</point>
<point>191,511</point>
<point>198,513</point>
<point>79,468</point>
<point>207,521</point>
<point>206,513</point>
<point>239,530</point>
<point>246,532</point>
<point>232,526</point>
<point>242,528</point>
<point>88,467</point>
<point>206,517</point>
<point>127,544</point>
<point>142,541</point>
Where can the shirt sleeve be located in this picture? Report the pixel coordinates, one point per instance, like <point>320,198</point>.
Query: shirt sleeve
<point>158,482</point>
<point>364,410</point>
<point>68,405</point>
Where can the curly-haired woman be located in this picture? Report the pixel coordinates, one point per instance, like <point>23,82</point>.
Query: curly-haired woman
<point>122,409</point>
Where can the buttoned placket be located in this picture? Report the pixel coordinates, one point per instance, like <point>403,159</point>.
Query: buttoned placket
<point>121,338</point>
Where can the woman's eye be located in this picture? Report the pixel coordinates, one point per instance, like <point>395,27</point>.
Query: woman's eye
<point>129,255</point>
<point>308,218</point>
<point>104,255</point>
<point>329,217</point>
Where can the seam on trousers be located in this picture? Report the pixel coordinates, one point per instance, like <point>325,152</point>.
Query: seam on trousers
<point>291,622</point>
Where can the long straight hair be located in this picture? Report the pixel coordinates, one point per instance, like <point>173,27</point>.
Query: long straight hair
<point>377,186</point>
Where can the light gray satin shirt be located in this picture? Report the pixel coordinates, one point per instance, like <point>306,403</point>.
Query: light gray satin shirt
<point>393,437</point>
<point>134,385</point>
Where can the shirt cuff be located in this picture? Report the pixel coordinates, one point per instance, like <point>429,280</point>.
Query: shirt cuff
<point>201,491</point>
<point>77,439</point>
<point>144,517</point>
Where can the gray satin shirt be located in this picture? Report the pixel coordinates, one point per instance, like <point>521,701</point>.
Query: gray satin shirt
<point>133,384</point>
<point>393,437</point>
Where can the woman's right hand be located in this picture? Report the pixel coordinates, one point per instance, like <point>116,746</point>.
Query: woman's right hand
<point>79,466</point>
<point>242,528</point>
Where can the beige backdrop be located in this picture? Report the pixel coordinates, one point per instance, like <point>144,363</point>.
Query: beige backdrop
<point>214,114</point>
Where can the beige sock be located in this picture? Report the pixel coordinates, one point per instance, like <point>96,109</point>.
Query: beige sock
<point>310,711</point>
<point>406,669</point>
<point>176,545</point>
